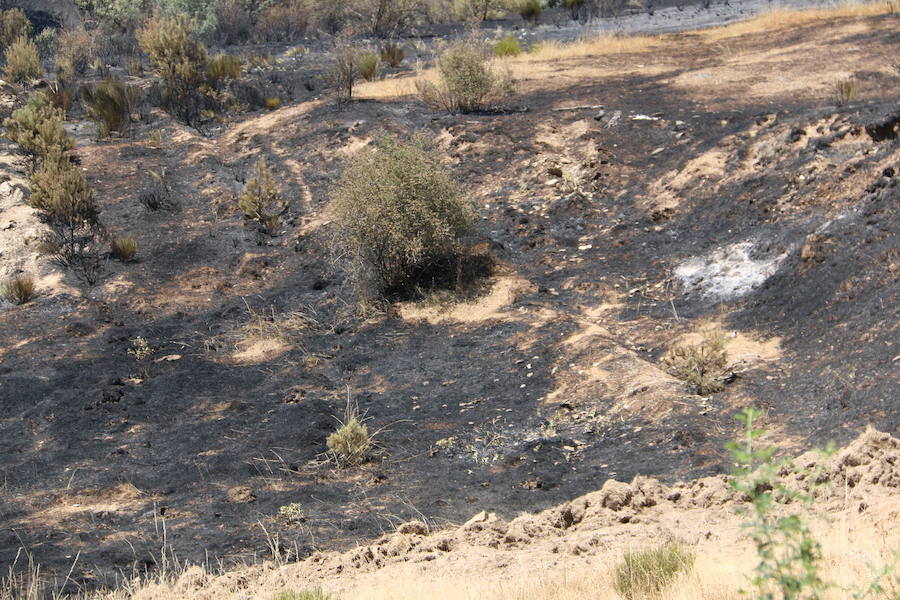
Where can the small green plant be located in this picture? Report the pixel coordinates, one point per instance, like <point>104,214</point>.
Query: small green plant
<point>790,558</point>
<point>75,51</point>
<point>140,349</point>
<point>224,67</point>
<point>14,24</point>
<point>401,217</point>
<point>19,289</point>
<point>530,10</point>
<point>123,248</point>
<point>508,46</point>
<point>369,66</point>
<point>110,104</point>
<point>700,365</point>
<point>845,90</point>
<point>23,62</point>
<point>649,572</point>
<point>273,103</point>
<point>392,54</point>
<point>468,82</point>
<point>292,513</point>
<point>260,199</point>
<point>316,594</point>
<point>351,444</point>
<point>47,43</point>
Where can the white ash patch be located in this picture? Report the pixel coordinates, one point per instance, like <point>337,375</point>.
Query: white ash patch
<point>728,272</point>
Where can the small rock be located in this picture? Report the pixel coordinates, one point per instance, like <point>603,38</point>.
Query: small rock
<point>599,116</point>
<point>616,494</point>
<point>240,494</point>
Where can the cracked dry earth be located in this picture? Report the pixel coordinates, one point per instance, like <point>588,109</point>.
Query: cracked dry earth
<point>719,184</point>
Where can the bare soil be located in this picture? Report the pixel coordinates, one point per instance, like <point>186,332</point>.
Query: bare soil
<point>728,163</point>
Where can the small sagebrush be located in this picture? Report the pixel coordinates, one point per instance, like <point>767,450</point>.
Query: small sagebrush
<point>123,248</point>
<point>260,200</point>
<point>351,444</point>
<point>37,128</point>
<point>845,90</point>
<point>19,289</point>
<point>700,365</point>
<point>223,67</point>
<point>392,54</point>
<point>110,104</point>
<point>60,191</point>
<point>648,572</point>
<point>74,54</point>
<point>23,61</point>
<point>508,46</point>
<point>468,82</point>
<point>369,66</point>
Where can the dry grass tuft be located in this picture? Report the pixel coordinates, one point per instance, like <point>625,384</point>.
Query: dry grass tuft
<point>19,289</point>
<point>351,444</point>
<point>650,571</point>
<point>700,365</point>
<point>123,248</point>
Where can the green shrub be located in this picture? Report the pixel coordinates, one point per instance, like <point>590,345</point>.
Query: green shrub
<point>316,594</point>
<point>19,289</point>
<point>14,24</point>
<point>23,62</point>
<point>700,365</point>
<point>110,104</point>
<point>392,54</point>
<point>60,191</point>
<point>468,82</point>
<point>648,572</point>
<point>530,10</point>
<point>260,200</point>
<point>508,46</point>
<point>273,103</point>
<point>123,248</point>
<point>369,66</point>
<point>401,217</point>
<point>223,67</point>
<point>181,61</point>
<point>74,53</point>
<point>37,127</point>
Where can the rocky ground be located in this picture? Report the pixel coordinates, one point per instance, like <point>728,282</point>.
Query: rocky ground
<point>719,182</point>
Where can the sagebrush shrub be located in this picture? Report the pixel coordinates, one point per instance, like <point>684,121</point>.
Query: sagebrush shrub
<point>351,444</point>
<point>223,67</point>
<point>401,216</point>
<point>468,81</point>
<point>74,53</point>
<point>392,54</point>
<point>508,46</point>
<point>14,23</point>
<point>700,365</point>
<point>23,61</point>
<point>123,248</point>
<point>37,127</point>
<point>283,22</point>
<point>47,42</point>
<point>260,200</point>
<point>369,66</point>
<point>181,61</point>
<point>110,104</point>
<point>648,572</point>
<point>19,289</point>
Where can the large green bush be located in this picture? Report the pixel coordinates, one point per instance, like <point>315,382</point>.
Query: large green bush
<point>37,127</point>
<point>14,24</point>
<point>110,104</point>
<point>401,216</point>
<point>23,61</point>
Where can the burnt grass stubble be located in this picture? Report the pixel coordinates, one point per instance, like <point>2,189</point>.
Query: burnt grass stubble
<point>77,421</point>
